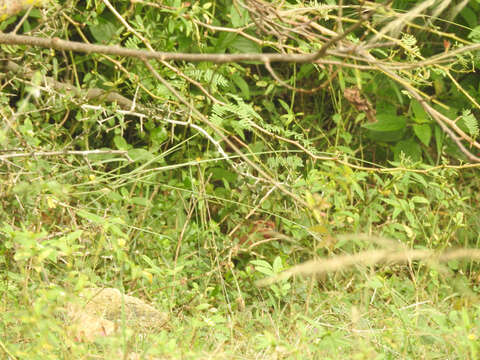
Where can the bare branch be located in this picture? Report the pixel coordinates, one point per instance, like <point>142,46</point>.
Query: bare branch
<point>66,45</point>
<point>63,153</point>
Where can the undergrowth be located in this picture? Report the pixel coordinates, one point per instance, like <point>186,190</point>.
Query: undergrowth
<point>141,200</point>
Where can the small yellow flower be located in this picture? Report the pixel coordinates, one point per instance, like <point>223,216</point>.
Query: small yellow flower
<point>51,203</point>
<point>91,177</point>
<point>148,276</point>
<point>472,337</point>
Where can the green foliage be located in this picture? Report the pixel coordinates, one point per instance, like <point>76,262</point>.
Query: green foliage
<point>175,222</point>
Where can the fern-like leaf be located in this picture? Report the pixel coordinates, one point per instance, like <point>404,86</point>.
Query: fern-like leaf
<point>470,122</point>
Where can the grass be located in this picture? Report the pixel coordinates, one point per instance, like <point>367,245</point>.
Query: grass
<point>66,228</point>
<point>351,244</point>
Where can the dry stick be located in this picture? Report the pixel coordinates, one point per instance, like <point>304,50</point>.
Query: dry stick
<point>58,44</point>
<point>450,54</point>
<point>340,15</point>
<point>462,90</point>
<point>4,348</point>
<point>436,114</point>
<point>65,45</point>
<point>454,12</point>
<point>180,238</point>
<point>204,119</point>
<point>441,119</point>
<point>369,258</point>
<point>22,20</point>
<point>60,153</point>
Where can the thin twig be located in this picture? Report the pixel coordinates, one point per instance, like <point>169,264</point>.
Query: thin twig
<point>4,348</point>
<point>323,50</point>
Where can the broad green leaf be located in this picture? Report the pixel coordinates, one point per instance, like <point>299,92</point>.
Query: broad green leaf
<point>423,132</point>
<point>420,179</point>
<point>91,217</point>
<point>383,107</point>
<point>104,30</point>
<point>242,85</point>
<point>357,189</point>
<point>158,135</point>
<point>387,123</point>
<point>266,271</point>
<point>277,265</point>
<point>420,200</point>
<point>73,236</point>
<point>261,263</point>
<point>375,283</point>
<point>202,306</point>
<point>242,45</point>
<point>263,267</point>
<point>120,143</point>
<point>475,34</point>
<point>453,264</point>
<point>239,16</point>
<point>219,173</point>
<point>137,200</point>
<point>470,16</point>
<point>410,148</point>
<point>284,105</point>
<point>305,71</point>
<point>419,113</point>
<point>387,128</point>
<point>439,138</point>
<point>140,154</point>
<point>224,41</point>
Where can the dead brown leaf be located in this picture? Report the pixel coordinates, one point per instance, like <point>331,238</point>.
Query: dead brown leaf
<point>361,104</point>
